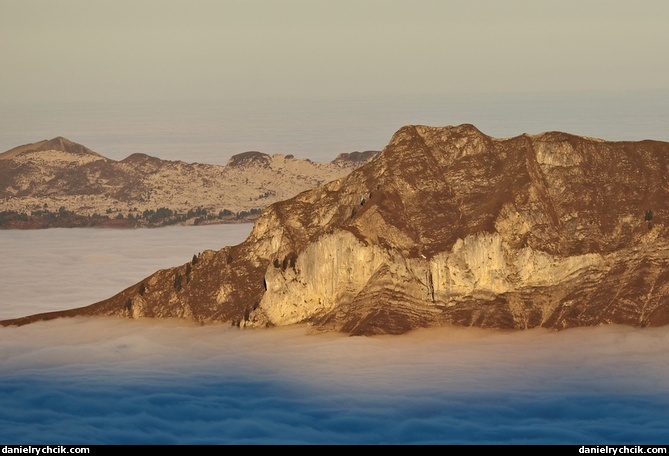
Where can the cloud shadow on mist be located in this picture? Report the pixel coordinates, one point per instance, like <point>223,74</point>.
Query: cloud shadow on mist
<point>50,408</point>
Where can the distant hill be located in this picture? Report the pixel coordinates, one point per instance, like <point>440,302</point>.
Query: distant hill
<point>58,182</point>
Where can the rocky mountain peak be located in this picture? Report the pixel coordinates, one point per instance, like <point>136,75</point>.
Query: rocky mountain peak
<point>59,144</point>
<point>446,225</point>
<point>62,144</point>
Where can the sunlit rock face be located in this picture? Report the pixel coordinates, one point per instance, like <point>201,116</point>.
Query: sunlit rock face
<point>446,225</point>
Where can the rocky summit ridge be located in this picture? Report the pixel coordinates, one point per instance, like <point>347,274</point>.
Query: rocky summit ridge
<point>446,226</point>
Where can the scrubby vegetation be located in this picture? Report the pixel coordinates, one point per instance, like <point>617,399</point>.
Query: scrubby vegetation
<point>162,216</point>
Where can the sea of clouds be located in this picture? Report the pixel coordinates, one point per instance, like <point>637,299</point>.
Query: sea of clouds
<point>114,381</point>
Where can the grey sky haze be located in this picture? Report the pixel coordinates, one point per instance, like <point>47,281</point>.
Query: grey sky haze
<point>86,50</point>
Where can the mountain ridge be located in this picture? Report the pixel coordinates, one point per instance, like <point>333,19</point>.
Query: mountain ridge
<point>59,143</point>
<point>446,226</point>
<point>61,182</point>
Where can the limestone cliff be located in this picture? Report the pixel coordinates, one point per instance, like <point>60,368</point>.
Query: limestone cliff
<point>446,225</point>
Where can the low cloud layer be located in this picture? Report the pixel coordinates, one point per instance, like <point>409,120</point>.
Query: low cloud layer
<point>64,268</point>
<point>116,381</point>
<point>109,380</point>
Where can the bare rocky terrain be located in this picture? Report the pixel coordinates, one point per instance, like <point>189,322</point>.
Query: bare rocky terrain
<point>62,183</point>
<point>446,226</point>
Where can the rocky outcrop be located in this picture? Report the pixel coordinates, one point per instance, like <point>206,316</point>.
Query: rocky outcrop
<point>446,225</point>
<point>57,177</point>
<point>251,158</point>
<point>347,158</point>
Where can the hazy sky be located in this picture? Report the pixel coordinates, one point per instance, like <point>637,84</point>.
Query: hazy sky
<point>223,49</point>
